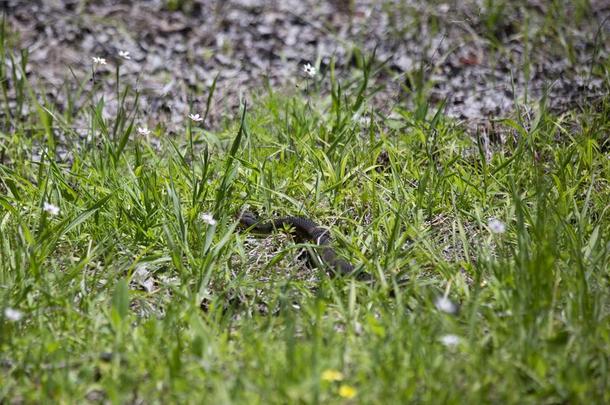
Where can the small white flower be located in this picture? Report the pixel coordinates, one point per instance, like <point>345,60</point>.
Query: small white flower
<point>99,61</point>
<point>13,314</point>
<point>444,304</point>
<point>450,340</point>
<point>309,70</point>
<point>124,55</point>
<point>365,121</point>
<point>443,8</point>
<point>496,226</point>
<point>143,131</point>
<point>196,117</point>
<point>50,208</point>
<point>208,219</point>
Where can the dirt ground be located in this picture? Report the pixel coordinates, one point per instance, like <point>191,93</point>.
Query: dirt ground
<point>481,61</point>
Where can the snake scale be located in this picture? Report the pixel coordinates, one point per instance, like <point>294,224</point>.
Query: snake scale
<point>304,230</point>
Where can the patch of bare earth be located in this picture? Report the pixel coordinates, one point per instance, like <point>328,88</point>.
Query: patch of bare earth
<point>479,61</point>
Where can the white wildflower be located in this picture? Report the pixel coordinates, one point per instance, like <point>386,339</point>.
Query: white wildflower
<point>13,314</point>
<point>208,219</point>
<point>444,304</point>
<point>309,70</point>
<point>443,8</point>
<point>196,117</point>
<point>50,208</point>
<point>124,55</point>
<point>143,131</point>
<point>450,340</point>
<point>496,226</point>
<point>99,61</point>
<point>365,121</point>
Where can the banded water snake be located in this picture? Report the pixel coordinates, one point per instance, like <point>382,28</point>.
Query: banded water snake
<point>303,230</point>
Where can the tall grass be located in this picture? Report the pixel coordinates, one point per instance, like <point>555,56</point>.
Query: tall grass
<point>128,294</point>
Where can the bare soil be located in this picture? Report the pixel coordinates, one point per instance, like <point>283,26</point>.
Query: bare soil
<point>480,61</point>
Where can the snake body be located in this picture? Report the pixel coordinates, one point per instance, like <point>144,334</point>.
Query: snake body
<point>304,230</point>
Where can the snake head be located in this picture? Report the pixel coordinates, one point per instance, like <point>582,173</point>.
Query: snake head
<point>247,219</point>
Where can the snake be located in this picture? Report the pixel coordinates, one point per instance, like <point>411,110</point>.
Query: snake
<point>303,230</point>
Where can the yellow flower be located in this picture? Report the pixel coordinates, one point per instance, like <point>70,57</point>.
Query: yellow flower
<point>347,391</point>
<point>332,375</point>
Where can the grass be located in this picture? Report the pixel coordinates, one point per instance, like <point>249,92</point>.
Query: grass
<point>231,318</point>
